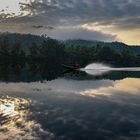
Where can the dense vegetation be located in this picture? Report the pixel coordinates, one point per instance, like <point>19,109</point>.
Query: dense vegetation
<point>42,49</point>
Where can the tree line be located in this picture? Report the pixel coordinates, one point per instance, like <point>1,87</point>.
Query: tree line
<point>55,52</point>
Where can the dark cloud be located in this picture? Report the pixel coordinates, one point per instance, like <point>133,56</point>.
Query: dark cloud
<point>41,26</point>
<point>121,14</point>
<point>37,26</point>
<point>74,11</point>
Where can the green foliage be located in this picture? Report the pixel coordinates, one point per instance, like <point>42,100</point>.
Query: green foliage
<point>55,52</point>
<point>4,47</point>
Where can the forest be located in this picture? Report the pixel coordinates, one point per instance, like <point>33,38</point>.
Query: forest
<point>56,52</point>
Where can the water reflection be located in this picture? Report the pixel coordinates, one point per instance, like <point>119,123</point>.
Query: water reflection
<point>71,109</point>
<point>30,72</point>
<point>119,88</point>
<point>75,107</point>
<point>7,108</point>
<point>15,120</point>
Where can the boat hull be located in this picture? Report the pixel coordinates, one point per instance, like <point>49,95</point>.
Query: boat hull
<point>70,67</point>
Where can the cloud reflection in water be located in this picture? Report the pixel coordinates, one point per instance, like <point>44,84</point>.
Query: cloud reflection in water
<point>65,108</point>
<point>128,85</point>
<point>15,120</point>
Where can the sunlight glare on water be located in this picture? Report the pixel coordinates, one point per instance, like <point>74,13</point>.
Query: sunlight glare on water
<point>11,106</point>
<point>14,120</point>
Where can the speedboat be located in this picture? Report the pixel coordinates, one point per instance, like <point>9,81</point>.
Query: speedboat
<point>74,67</point>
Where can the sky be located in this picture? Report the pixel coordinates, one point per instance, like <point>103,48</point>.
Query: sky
<point>105,20</point>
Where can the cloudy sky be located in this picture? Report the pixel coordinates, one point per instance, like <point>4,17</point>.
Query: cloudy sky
<point>106,20</point>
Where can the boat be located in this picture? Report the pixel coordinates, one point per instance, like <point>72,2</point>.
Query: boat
<point>74,67</point>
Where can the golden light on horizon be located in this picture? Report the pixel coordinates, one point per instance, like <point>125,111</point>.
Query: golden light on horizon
<point>128,36</point>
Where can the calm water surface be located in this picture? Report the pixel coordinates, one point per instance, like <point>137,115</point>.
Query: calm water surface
<point>74,106</point>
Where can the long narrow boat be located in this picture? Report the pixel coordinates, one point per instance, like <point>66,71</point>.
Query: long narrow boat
<point>71,67</point>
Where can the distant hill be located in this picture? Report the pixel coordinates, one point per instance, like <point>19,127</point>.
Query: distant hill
<point>27,40</point>
<point>115,45</point>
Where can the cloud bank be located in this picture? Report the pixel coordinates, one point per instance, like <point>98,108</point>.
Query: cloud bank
<point>121,17</point>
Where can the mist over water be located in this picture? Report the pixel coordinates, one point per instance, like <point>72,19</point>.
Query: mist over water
<point>99,69</point>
